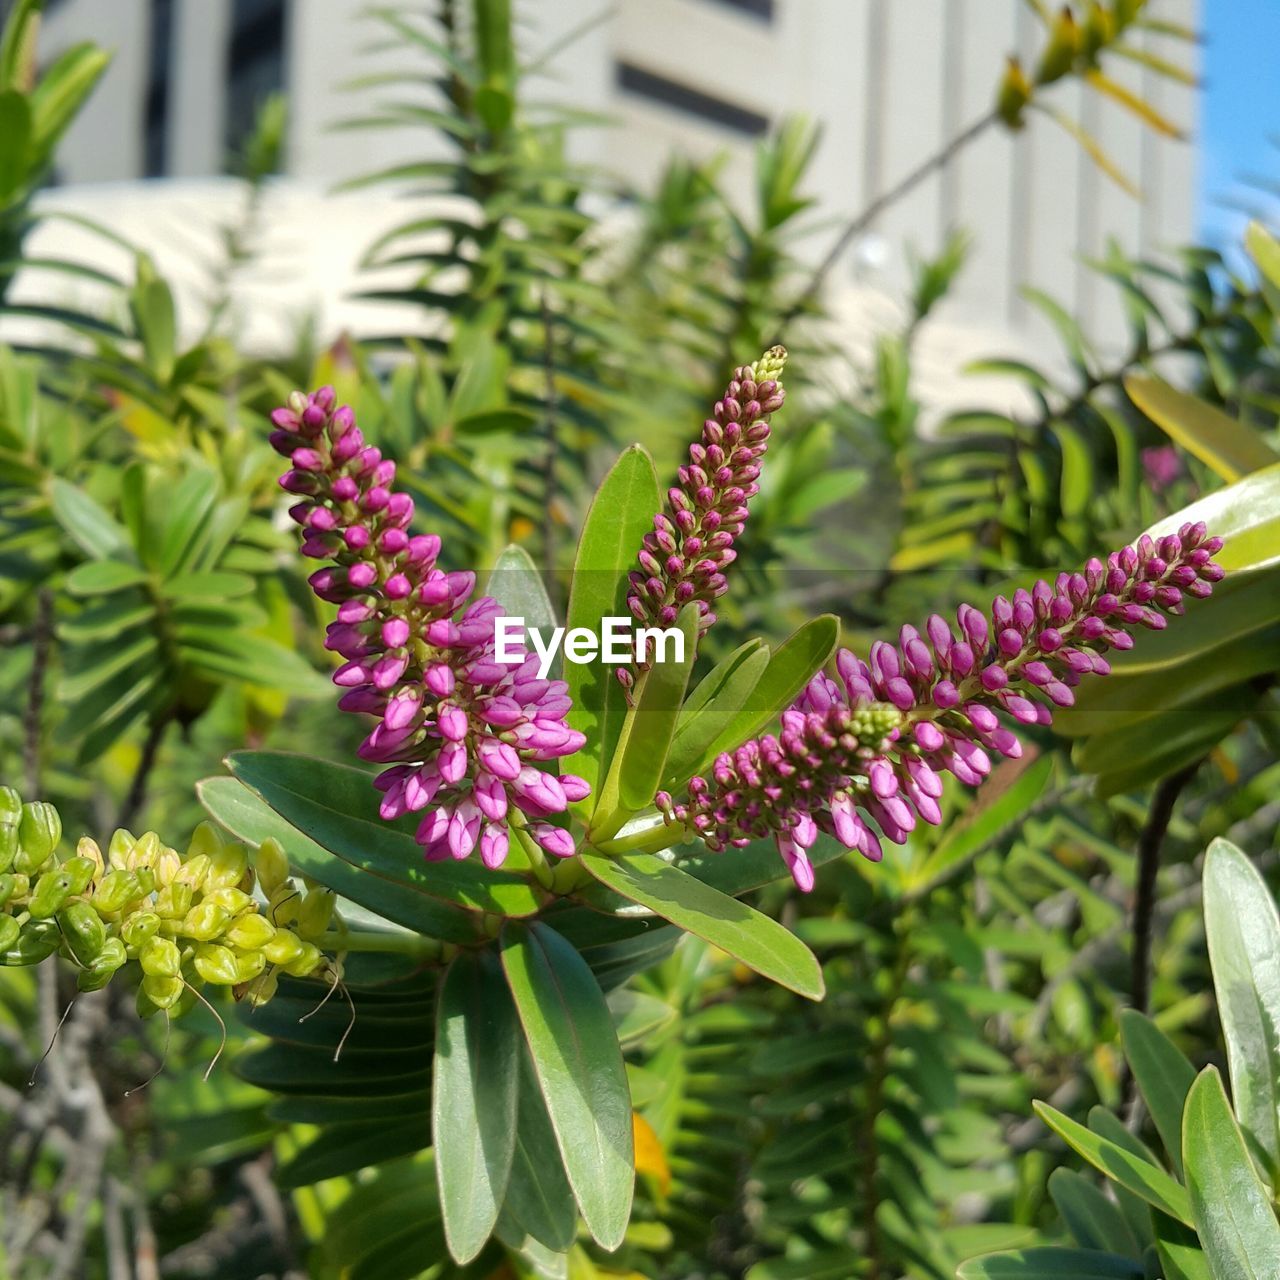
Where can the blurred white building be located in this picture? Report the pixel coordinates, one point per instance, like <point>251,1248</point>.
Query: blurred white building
<point>890,81</point>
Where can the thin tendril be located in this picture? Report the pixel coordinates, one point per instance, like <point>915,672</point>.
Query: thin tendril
<point>164,1057</point>
<point>52,1041</point>
<point>221,1023</point>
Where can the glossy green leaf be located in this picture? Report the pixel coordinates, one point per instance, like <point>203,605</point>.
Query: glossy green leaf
<point>248,817</point>
<point>1233,1212</point>
<point>337,806</point>
<point>518,586</point>
<point>477,1062</point>
<point>88,525</point>
<point>759,942</point>
<point>1178,1248</point>
<point>539,1197</point>
<point>579,1067</point>
<point>708,710</point>
<point>1243,931</point>
<point>621,514</point>
<point>1163,1074</point>
<point>101,577</point>
<point>636,770</point>
<point>791,666</point>
<point>988,817</point>
<point>1227,446</point>
<point>1051,1264</point>
<point>1093,1220</point>
<point>1131,1171</point>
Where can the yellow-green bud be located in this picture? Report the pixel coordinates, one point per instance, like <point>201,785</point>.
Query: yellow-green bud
<point>9,931</point>
<point>145,851</point>
<point>233,901</point>
<point>10,807</point>
<point>168,864</point>
<point>305,963</point>
<point>146,878</point>
<point>173,900</point>
<point>251,933</point>
<point>51,893</point>
<point>283,948</point>
<point>81,872</point>
<point>162,992</point>
<point>88,848</point>
<point>283,904</point>
<point>205,839</point>
<point>160,958</point>
<point>227,865</point>
<point>39,829</point>
<point>315,913</point>
<point>1060,52</point>
<point>115,891</point>
<point>262,991</point>
<point>272,865</point>
<point>248,965</point>
<point>84,931</point>
<point>194,871</point>
<point>217,964</point>
<point>1015,92</point>
<point>120,847</point>
<point>21,886</point>
<point>8,846</point>
<point>7,882</point>
<point>140,928</point>
<point>205,921</point>
<point>38,941</point>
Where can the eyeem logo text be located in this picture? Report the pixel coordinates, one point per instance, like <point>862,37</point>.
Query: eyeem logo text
<point>619,641</point>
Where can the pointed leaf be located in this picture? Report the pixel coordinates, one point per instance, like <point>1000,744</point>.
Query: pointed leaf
<point>1233,1212</point>
<point>579,1067</point>
<point>1163,1075</point>
<point>761,943</point>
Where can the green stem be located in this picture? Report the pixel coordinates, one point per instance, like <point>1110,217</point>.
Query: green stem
<point>543,873</point>
<point>415,945</point>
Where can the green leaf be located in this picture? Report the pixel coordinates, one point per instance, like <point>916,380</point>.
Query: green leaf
<point>1163,1074</point>
<point>1093,1221</point>
<point>518,586</point>
<point>214,584</point>
<point>986,819</point>
<point>709,709</point>
<point>636,770</point>
<point>1231,448</point>
<point>791,666</point>
<point>621,514</point>
<point>1264,249</point>
<point>153,313</point>
<point>60,93</point>
<point>15,141</point>
<point>477,1062</point>
<point>248,817</point>
<point>1233,1212</point>
<point>580,1072</point>
<point>1051,1264</point>
<point>538,1195</point>
<point>85,522</point>
<point>1243,932</point>
<point>1178,1248</point>
<point>101,577</point>
<point>637,1016</point>
<point>760,943</point>
<point>337,807</point>
<point>1132,1172</point>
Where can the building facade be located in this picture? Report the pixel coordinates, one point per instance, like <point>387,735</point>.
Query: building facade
<point>890,81</point>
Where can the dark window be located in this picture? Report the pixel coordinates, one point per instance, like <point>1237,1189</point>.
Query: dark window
<point>255,66</point>
<point>756,8</point>
<point>692,102</point>
<point>155,120</point>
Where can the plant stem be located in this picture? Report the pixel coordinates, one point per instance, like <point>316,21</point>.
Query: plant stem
<point>415,945</point>
<point>1149,843</point>
<point>42,643</point>
<point>863,221</point>
<point>137,793</point>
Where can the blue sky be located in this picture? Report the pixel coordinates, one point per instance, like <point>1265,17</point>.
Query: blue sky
<point>1240,107</point>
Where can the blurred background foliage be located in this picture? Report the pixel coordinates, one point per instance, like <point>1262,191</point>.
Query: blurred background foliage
<point>154,616</point>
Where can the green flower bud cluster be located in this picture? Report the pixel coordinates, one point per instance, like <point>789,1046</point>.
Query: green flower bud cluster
<point>186,919</point>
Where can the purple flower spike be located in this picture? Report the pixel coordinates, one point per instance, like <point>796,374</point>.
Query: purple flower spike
<point>875,743</point>
<point>460,730</point>
<point>685,557</point>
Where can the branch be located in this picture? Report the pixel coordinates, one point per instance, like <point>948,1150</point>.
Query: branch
<point>42,642</point>
<point>863,221</point>
<point>146,762</point>
<point>1149,842</point>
